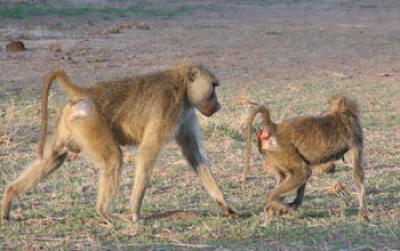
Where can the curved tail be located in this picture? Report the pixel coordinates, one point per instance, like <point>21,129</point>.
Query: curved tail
<point>71,89</point>
<point>267,122</point>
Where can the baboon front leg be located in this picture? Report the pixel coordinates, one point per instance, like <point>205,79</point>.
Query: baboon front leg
<point>188,138</point>
<point>147,154</point>
<point>280,177</point>
<point>53,157</point>
<point>358,178</point>
<point>110,169</point>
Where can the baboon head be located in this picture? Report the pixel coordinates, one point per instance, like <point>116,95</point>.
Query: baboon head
<point>201,90</point>
<point>343,104</point>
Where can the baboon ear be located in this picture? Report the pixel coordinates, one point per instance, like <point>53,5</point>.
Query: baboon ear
<point>336,102</point>
<point>342,104</point>
<point>193,72</point>
<point>333,100</point>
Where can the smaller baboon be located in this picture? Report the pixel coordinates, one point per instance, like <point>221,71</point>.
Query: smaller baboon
<point>145,110</point>
<point>264,140</point>
<point>293,146</point>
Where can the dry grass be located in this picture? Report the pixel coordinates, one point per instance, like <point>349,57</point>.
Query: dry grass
<point>180,215</point>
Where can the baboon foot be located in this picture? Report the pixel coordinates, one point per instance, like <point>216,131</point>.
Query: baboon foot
<point>6,218</point>
<point>127,217</point>
<point>227,210</point>
<point>105,217</point>
<point>277,209</point>
<point>232,213</point>
<point>135,217</point>
<point>294,204</point>
<point>364,214</point>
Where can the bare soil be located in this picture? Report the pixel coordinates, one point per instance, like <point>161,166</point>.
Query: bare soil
<point>246,43</point>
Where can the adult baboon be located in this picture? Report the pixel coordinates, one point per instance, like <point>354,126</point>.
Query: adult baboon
<point>293,146</point>
<point>146,111</point>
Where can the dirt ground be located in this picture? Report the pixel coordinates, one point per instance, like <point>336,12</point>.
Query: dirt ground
<point>289,54</point>
<point>245,42</point>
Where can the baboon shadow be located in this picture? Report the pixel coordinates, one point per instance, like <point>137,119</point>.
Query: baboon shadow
<point>189,214</point>
<point>172,215</point>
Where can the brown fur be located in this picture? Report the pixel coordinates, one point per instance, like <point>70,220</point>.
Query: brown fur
<point>328,167</point>
<point>306,141</point>
<point>145,111</point>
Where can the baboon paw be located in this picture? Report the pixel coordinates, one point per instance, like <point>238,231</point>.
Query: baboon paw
<point>275,209</point>
<point>232,213</point>
<point>242,181</point>
<point>294,204</point>
<point>135,217</point>
<point>101,222</point>
<point>227,210</point>
<point>105,217</point>
<point>5,219</point>
<point>280,213</point>
<point>123,217</point>
<point>364,215</point>
<point>287,213</point>
<point>106,222</point>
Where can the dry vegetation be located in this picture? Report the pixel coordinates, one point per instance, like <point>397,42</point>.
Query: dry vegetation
<point>290,56</point>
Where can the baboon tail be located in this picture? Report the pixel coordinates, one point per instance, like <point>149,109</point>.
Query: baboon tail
<point>267,123</point>
<point>68,86</point>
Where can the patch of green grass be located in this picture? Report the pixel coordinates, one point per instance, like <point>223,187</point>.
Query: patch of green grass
<point>223,130</point>
<point>272,33</point>
<point>25,11</point>
<point>21,11</point>
<point>207,27</point>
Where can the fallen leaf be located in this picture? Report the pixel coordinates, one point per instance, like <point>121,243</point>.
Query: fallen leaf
<point>338,189</point>
<point>54,47</point>
<point>245,101</point>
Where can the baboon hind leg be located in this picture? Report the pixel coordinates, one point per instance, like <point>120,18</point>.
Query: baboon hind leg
<point>280,177</point>
<point>147,153</point>
<point>53,157</point>
<point>358,178</point>
<point>97,143</point>
<point>296,180</point>
<point>188,138</point>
